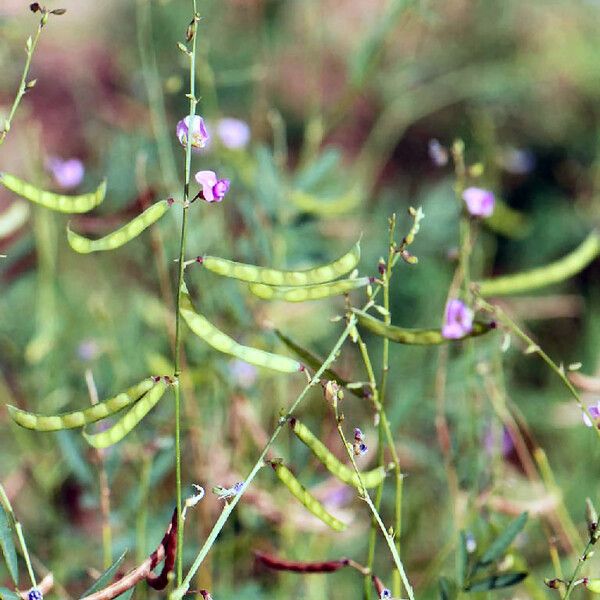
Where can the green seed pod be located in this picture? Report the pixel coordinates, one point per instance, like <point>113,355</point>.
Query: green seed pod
<point>121,236</point>
<point>58,202</point>
<point>308,292</point>
<point>265,275</point>
<point>311,204</point>
<point>306,498</point>
<point>593,585</point>
<point>79,418</point>
<point>312,360</point>
<point>220,341</point>
<point>344,473</point>
<point>419,337</point>
<point>555,272</point>
<point>129,420</point>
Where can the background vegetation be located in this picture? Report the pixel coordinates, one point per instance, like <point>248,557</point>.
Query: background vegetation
<point>342,99</point>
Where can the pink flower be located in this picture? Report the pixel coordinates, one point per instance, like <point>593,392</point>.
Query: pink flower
<point>67,173</point>
<point>480,203</point>
<point>199,134</point>
<point>595,412</point>
<point>213,189</point>
<point>458,320</point>
<point>233,133</point>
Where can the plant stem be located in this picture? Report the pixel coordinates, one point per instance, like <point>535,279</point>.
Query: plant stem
<point>177,372</point>
<point>182,589</point>
<point>365,495</point>
<point>577,569</point>
<point>30,48</point>
<point>532,347</point>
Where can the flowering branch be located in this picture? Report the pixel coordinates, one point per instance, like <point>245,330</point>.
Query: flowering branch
<point>30,46</point>
<point>367,498</point>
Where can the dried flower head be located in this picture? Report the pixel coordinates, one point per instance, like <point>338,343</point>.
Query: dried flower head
<point>333,391</point>
<point>458,320</point>
<point>480,202</point>
<point>197,132</point>
<point>213,189</point>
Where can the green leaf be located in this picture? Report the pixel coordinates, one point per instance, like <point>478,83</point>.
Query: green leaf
<point>496,582</point>
<point>463,559</point>
<point>106,577</point>
<point>6,594</point>
<point>448,588</point>
<point>503,541</point>
<point>8,547</point>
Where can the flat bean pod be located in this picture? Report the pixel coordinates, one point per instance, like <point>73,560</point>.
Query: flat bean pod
<point>220,341</point>
<point>254,274</point>
<point>312,360</point>
<point>79,418</point>
<point>129,420</point>
<point>121,236</point>
<point>418,337</point>
<point>308,292</point>
<point>306,498</point>
<point>59,202</point>
<point>309,203</point>
<point>555,272</point>
<point>343,472</point>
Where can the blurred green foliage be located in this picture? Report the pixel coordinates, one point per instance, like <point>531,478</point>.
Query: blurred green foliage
<point>342,98</point>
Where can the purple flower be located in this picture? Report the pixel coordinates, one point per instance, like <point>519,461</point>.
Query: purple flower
<point>480,202</point>
<point>67,173</point>
<point>243,373</point>
<point>35,594</point>
<point>199,134</point>
<point>88,350</point>
<point>213,189</point>
<point>385,594</point>
<point>595,412</point>
<point>437,153</point>
<point>362,448</point>
<point>458,320</point>
<point>489,441</point>
<point>233,133</point>
<point>358,434</point>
